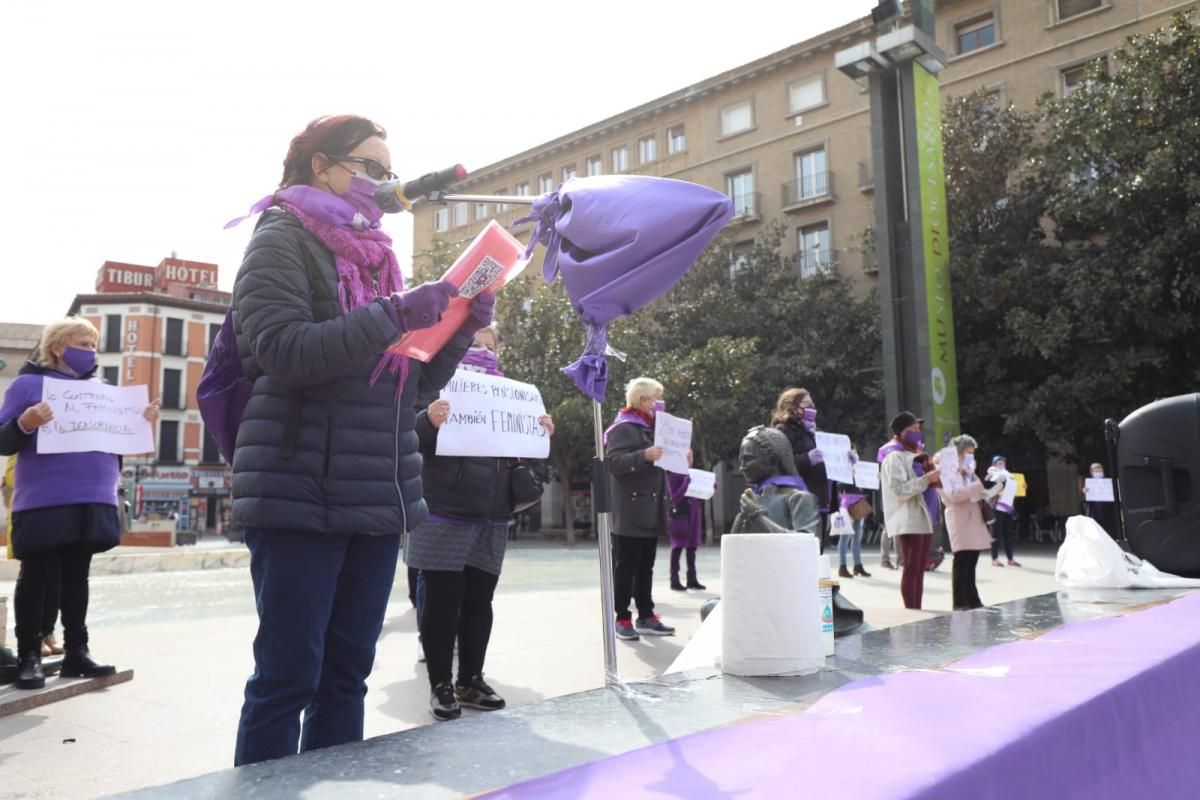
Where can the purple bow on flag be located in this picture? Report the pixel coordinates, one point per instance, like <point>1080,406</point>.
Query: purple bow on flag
<point>620,241</point>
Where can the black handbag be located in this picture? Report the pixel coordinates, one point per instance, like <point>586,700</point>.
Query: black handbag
<point>524,486</point>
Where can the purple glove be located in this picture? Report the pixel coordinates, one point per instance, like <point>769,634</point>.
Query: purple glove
<point>815,456</point>
<point>483,307</point>
<point>853,458</point>
<point>421,307</point>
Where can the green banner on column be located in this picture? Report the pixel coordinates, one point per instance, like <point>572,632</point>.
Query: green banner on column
<point>935,234</point>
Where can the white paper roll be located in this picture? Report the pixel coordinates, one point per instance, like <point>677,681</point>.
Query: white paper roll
<point>770,604</point>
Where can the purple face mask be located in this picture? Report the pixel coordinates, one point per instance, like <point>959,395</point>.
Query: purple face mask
<point>809,414</point>
<point>361,195</point>
<point>913,439</point>
<point>79,360</point>
<point>660,405</point>
<point>480,359</point>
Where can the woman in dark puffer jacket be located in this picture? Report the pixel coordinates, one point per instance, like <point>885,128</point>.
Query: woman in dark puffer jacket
<point>459,551</point>
<point>326,473</point>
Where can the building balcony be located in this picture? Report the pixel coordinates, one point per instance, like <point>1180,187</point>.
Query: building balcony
<point>810,190</point>
<point>816,263</point>
<point>746,207</point>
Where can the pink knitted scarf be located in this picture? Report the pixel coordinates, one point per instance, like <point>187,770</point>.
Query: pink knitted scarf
<point>367,270</point>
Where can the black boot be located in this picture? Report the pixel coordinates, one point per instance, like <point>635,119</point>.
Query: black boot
<point>692,583</point>
<point>78,663</point>
<point>30,675</point>
<point>675,584</point>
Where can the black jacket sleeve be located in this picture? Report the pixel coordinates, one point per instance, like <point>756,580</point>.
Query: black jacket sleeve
<point>440,369</point>
<point>426,433</point>
<point>625,453</point>
<point>12,440</point>
<point>272,301</point>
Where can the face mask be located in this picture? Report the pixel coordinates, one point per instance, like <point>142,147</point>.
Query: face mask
<point>968,463</point>
<point>79,361</point>
<point>480,359</point>
<point>1097,473</point>
<point>361,195</point>
<point>809,414</point>
<point>660,405</point>
<point>913,439</point>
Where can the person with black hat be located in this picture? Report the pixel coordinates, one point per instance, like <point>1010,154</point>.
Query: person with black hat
<point>908,482</point>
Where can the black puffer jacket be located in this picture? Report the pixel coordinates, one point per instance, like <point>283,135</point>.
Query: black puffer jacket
<point>640,499</point>
<point>319,448</point>
<point>464,487</point>
<point>803,441</point>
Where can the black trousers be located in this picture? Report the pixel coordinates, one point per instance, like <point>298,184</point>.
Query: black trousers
<point>633,574</point>
<point>66,566</point>
<point>691,565</point>
<point>1002,535</point>
<point>962,580</point>
<point>457,604</point>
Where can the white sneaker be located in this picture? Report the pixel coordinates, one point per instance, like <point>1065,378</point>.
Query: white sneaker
<point>420,652</point>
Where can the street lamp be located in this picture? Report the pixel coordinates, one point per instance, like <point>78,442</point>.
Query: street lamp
<point>909,43</point>
<point>860,61</point>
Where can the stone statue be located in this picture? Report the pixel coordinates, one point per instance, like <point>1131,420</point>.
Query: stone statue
<point>777,500</point>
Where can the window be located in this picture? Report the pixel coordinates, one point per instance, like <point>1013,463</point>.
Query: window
<point>545,183</point>
<point>736,119</point>
<point>210,454</point>
<point>813,253</point>
<point>214,328</point>
<point>569,172</point>
<point>620,159</point>
<point>523,189</point>
<point>595,166</point>
<point>676,139</point>
<point>740,187</point>
<point>441,220</point>
<point>112,376</point>
<point>459,211</point>
<point>168,441</point>
<point>112,333</point>
<point>174,344</point>
<point>1076,76</point>
<point>501,207</point>
<point>647,149</point>
<point>481,210</point>
<point>807,93</point>
<point>975,33</point>
<point>812,176</point>
<point>1073,8</point>
<point>170,388</point>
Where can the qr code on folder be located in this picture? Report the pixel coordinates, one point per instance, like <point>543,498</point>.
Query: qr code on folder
<point>481,277</point>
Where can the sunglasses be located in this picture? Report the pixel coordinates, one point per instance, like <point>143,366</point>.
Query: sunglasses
<point>373,168</point>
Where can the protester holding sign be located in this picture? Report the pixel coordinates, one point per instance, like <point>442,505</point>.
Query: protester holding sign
<point>968,531</point>
<point>326,472</point>
<point>854,507</point>
<point>640,507</point>
<point>910,502</point>
<point>685,527</point>
<point>1100,499</point>
<point>64,506</point>
<point>459,549</point>
<point>796,415</point>
<point>1002,527</point>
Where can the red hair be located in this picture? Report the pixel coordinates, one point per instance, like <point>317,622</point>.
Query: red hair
<point>329,135</point>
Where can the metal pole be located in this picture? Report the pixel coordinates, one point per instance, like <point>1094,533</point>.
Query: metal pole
<point>602,507</point>
<point>513,200</point>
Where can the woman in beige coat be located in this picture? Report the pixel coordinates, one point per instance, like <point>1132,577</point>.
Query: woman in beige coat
<point>909,502</point>
<point>969,535</point>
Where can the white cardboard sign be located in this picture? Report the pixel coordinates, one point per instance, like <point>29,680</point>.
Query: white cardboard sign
<point>1099,490</point>
<point>703,485</point>
<point>493,417</point>
<point>674,435</point>
<point>835,447</point>
<point>866,475</point>
<point>90,416</point>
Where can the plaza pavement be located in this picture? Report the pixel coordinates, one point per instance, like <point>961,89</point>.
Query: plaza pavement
<point>187,636</point>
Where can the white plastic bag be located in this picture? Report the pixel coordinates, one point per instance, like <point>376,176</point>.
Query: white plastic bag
<point>840,523</point>
<point>1090,559</point>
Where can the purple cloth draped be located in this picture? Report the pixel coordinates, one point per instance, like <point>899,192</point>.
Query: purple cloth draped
<point>794,481</point>
<point>623,417</point>
<point>1097,709</point>
<point>619,242</point>
<point>686,530</point>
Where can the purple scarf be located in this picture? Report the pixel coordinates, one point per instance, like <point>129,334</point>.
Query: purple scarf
<point>929,495</point>
<point>630,416</point>
<point>794,481</point>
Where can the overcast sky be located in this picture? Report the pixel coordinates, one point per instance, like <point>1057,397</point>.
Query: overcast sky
<point>131,130</point>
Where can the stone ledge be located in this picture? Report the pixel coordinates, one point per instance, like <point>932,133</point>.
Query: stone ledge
<point>168,560</point>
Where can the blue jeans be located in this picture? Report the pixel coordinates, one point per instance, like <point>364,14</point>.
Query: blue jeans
<point>321,600</point>
<point>845,542</point>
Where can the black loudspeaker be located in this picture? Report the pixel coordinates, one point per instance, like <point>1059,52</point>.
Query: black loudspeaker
<point>1158,464</point>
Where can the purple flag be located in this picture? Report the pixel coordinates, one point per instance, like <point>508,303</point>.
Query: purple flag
<point>620,241</point>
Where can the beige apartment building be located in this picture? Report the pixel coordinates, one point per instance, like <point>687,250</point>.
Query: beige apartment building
<point>788,136</point>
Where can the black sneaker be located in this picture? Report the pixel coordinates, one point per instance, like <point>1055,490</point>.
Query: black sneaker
<point>625,630</point>
<point>442,704</point>
<point>653,626</point>
<point>475,693</point>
